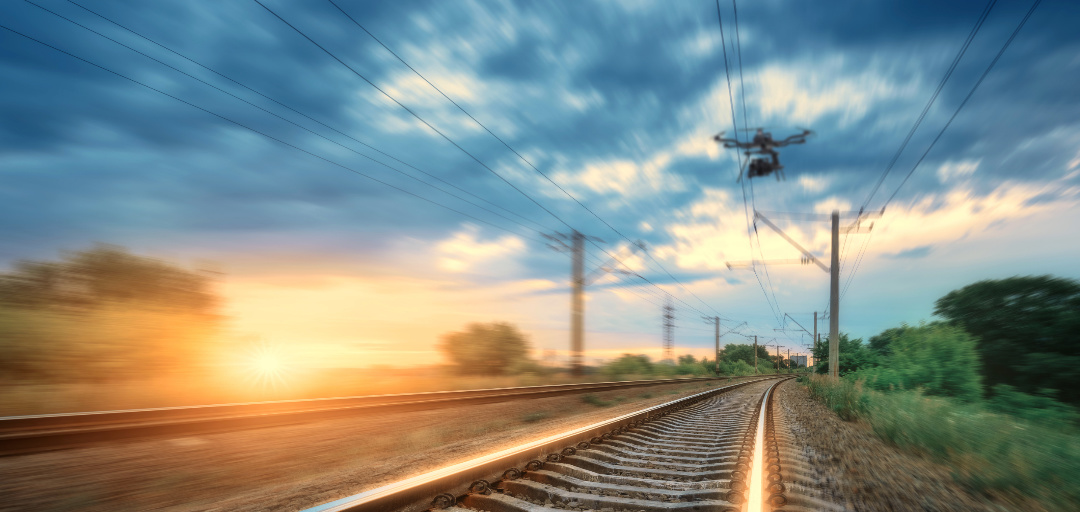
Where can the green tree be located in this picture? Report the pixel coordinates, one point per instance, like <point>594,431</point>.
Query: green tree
<point>1025,330</point>
<point>939,359</point>
<point>882,343</point>
<point>854,356</point>
<point>496,348</point>
<point>104,314</point>
<point>745,352</point>
<point>106,275</point>
<point>628,364</point>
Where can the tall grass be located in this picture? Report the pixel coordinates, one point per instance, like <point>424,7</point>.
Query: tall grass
<point>846,398</point>
<point>988,451</point>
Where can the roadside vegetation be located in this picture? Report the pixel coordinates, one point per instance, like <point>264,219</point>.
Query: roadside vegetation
<point>977,399</point>
<point>736,360</point>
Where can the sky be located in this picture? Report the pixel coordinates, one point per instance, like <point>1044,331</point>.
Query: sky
<point>353,213</point>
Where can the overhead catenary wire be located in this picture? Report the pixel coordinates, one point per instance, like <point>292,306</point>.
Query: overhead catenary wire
<point>858,261</point>
<point>297,111</point>
<point>514,151</point>
<point>302,127</point>
<point>266,135</point>
<point>974,88</point>
<point>960,107</point>
<point>941,84</point>
<point>742,164</point>
<point>746,125</point>
<point>436,130</point>
<point>765,266</point>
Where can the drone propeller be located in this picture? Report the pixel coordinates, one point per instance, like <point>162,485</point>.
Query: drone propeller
<point>806,131</point>
<point>751,129</point>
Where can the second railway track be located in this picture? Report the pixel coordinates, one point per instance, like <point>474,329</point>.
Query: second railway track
<point>29,434</point>
<point>719,450</point>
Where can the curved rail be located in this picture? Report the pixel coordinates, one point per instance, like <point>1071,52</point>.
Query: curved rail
<point>484,483</point>
<point>28,434</point>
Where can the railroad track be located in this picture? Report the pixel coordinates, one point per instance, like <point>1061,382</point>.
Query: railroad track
<point>29,434</point>
<point>718,450</point>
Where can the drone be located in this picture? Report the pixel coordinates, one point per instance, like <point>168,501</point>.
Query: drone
<point>764,144</point>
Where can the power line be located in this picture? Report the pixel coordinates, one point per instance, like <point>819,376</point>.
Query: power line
<point>858,261</point>
<point>966,98</point>
<point>765,265</point>
<point>399,171</point>
<point>462,149</point>
<point>948,73</point>
<point>746,125</point>
<point>508,146</point>
<point>271,137</point>
<point>335,130</point>
<point>989,68</point>
<point>742,164</point>
<point>414,114</point>
<point>738,46</point>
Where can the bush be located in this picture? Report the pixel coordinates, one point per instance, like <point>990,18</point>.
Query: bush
<point>845,397</point>
<point>736,368</point>
<point>497,348</point>
<point>105,315</point>
<point>627,364</point>
<point>939,359</point>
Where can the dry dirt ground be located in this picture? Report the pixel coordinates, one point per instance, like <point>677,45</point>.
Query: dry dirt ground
<point>858,471</point>
<point>294,467</point>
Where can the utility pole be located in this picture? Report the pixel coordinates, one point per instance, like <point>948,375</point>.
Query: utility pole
<point>717,345</point>
<point>834,299</point>
<point>577,303</point>
<point>755,353</point>
<point>789,359</point>
<point>815,330</point>
<point>715,320</point>
<point>833,270</point>
<point>577,293</point>
<point>669,328</point>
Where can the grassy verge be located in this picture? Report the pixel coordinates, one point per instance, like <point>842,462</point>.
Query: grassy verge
<point>990,452</point>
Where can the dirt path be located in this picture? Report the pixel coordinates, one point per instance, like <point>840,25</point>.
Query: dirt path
<point>290,468</point>
<point>856,470</point>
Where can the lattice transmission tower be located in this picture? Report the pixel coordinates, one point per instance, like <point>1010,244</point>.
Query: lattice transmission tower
<point>669,329</point>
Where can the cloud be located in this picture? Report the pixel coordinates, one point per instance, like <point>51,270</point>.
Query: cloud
<point>813,183</point>
<point>950,170</point>
<point>709,232</point>
<point>832,204</point>
<point>913,253</point>
<point>465,252</point>
<point>953,215</point>
<point>625,178</point>
<point>804,93</point>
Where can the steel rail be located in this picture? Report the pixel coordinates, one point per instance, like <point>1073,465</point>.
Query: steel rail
<point>36,433</point>
<point>440,488</point>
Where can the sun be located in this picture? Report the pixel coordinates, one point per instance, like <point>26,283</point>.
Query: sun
<point>267,363</point>
<point>266,366</point>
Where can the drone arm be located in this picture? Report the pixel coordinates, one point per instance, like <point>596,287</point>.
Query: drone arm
<point>729,143</point>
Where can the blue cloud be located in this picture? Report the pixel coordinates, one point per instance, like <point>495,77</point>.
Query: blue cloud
<point>911,254</point>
